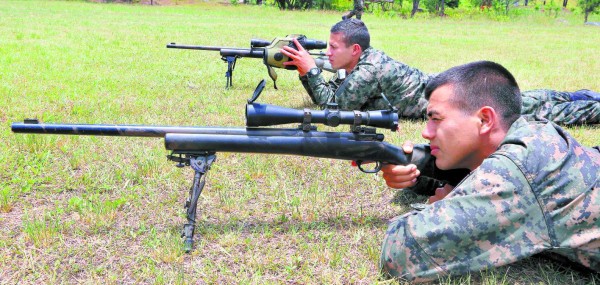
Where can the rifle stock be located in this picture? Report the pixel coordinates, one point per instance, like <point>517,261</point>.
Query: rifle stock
<point>344,148</point>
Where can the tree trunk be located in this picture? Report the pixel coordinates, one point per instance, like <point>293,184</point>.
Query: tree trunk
<point>443,4</point>
<point>415,8</point>
<point>507,4</point>
<point>526,2</point>
<point>587,13</point>
<point>565,3</point>
<point>281,4</point>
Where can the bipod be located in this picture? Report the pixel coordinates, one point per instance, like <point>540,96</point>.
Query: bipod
<point>200,163</point>
<point>230,67</point>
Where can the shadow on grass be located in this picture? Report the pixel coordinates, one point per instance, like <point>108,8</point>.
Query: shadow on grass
<point>282,226</point>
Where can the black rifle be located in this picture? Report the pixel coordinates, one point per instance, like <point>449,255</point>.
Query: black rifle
<point>197,146</point>
<point>268,51</point>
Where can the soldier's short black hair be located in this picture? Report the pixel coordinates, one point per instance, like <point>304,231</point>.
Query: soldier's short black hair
<point>354,31</point>
<point>481,83</point>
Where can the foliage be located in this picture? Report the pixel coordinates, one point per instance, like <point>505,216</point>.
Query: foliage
<point>342,5</point>
<point>589,7</point>
<point>303,4</point>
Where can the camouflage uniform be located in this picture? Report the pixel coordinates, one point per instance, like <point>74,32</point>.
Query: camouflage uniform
<point>558,107</point>
<point>403,86</point>
<point>539,192</point>
<point>375,73</point>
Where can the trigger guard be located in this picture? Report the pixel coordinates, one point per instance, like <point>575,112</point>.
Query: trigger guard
<point>374,170</point>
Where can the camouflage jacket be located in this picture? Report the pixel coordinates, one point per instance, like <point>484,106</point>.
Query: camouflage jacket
<point>375,73</point>
<point>539,192</point>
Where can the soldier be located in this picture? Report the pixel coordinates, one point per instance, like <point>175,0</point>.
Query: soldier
<point>372,75</point>
<point>532,188</point>
<point>357,11</point>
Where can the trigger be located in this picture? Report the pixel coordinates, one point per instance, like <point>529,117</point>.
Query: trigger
<point>376,169</point>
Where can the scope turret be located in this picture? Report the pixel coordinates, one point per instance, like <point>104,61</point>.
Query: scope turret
<point>258,115</point>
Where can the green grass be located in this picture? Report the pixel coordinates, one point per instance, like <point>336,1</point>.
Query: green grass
<point>110,210</point>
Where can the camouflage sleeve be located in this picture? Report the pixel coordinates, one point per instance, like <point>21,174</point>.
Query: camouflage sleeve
<point>432,177</point>
<point>304,81</point>
<point>491,218</point>
<point>350,94</point>
<point>320,91</point>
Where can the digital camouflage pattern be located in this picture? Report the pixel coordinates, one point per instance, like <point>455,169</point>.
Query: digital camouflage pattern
<point>403,86</point>
<point>375,73</point>
<point>539,192</point>
<point>557,106</point>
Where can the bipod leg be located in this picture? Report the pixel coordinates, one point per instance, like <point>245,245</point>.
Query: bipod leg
<point>201,165</point>
<point>230,67</point>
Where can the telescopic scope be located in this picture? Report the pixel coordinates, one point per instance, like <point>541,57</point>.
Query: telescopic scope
<point>309,44</point>
<point>258,115</point>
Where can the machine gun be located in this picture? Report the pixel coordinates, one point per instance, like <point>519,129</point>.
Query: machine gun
<point>197,146</point>
<point>268,51</point>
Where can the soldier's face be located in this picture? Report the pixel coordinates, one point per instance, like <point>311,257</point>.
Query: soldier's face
<point>453,134</point>
<point>340,55</point>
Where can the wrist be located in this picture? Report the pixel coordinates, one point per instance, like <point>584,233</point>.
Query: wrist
<point>313,72</point>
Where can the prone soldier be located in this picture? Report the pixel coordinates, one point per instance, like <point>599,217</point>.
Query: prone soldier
<point>373,79</point>
<point>532,187</point>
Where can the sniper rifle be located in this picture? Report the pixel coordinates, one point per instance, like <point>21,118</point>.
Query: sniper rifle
<point>268,51</point>
<point>197,146</point>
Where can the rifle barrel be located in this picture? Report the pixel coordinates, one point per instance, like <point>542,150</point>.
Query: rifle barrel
<point>213,48</point>
<point>160,131</point>
<point>118,130</point>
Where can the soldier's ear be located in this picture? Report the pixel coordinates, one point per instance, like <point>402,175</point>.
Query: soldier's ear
<point>356,49</point>
<point>489,119</point>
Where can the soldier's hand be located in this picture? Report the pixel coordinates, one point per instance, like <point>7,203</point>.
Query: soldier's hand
<point>401,176</point>
<point>440,193</point>
<point>300,58</point>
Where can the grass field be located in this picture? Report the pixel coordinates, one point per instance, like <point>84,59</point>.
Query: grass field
<point>109,210</point>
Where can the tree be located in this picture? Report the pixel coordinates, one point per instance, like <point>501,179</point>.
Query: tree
<point>436,6</point>
<point>486,4</point>
<point>415,8</point>
<point>295,4</point>
<point>589,7</point>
